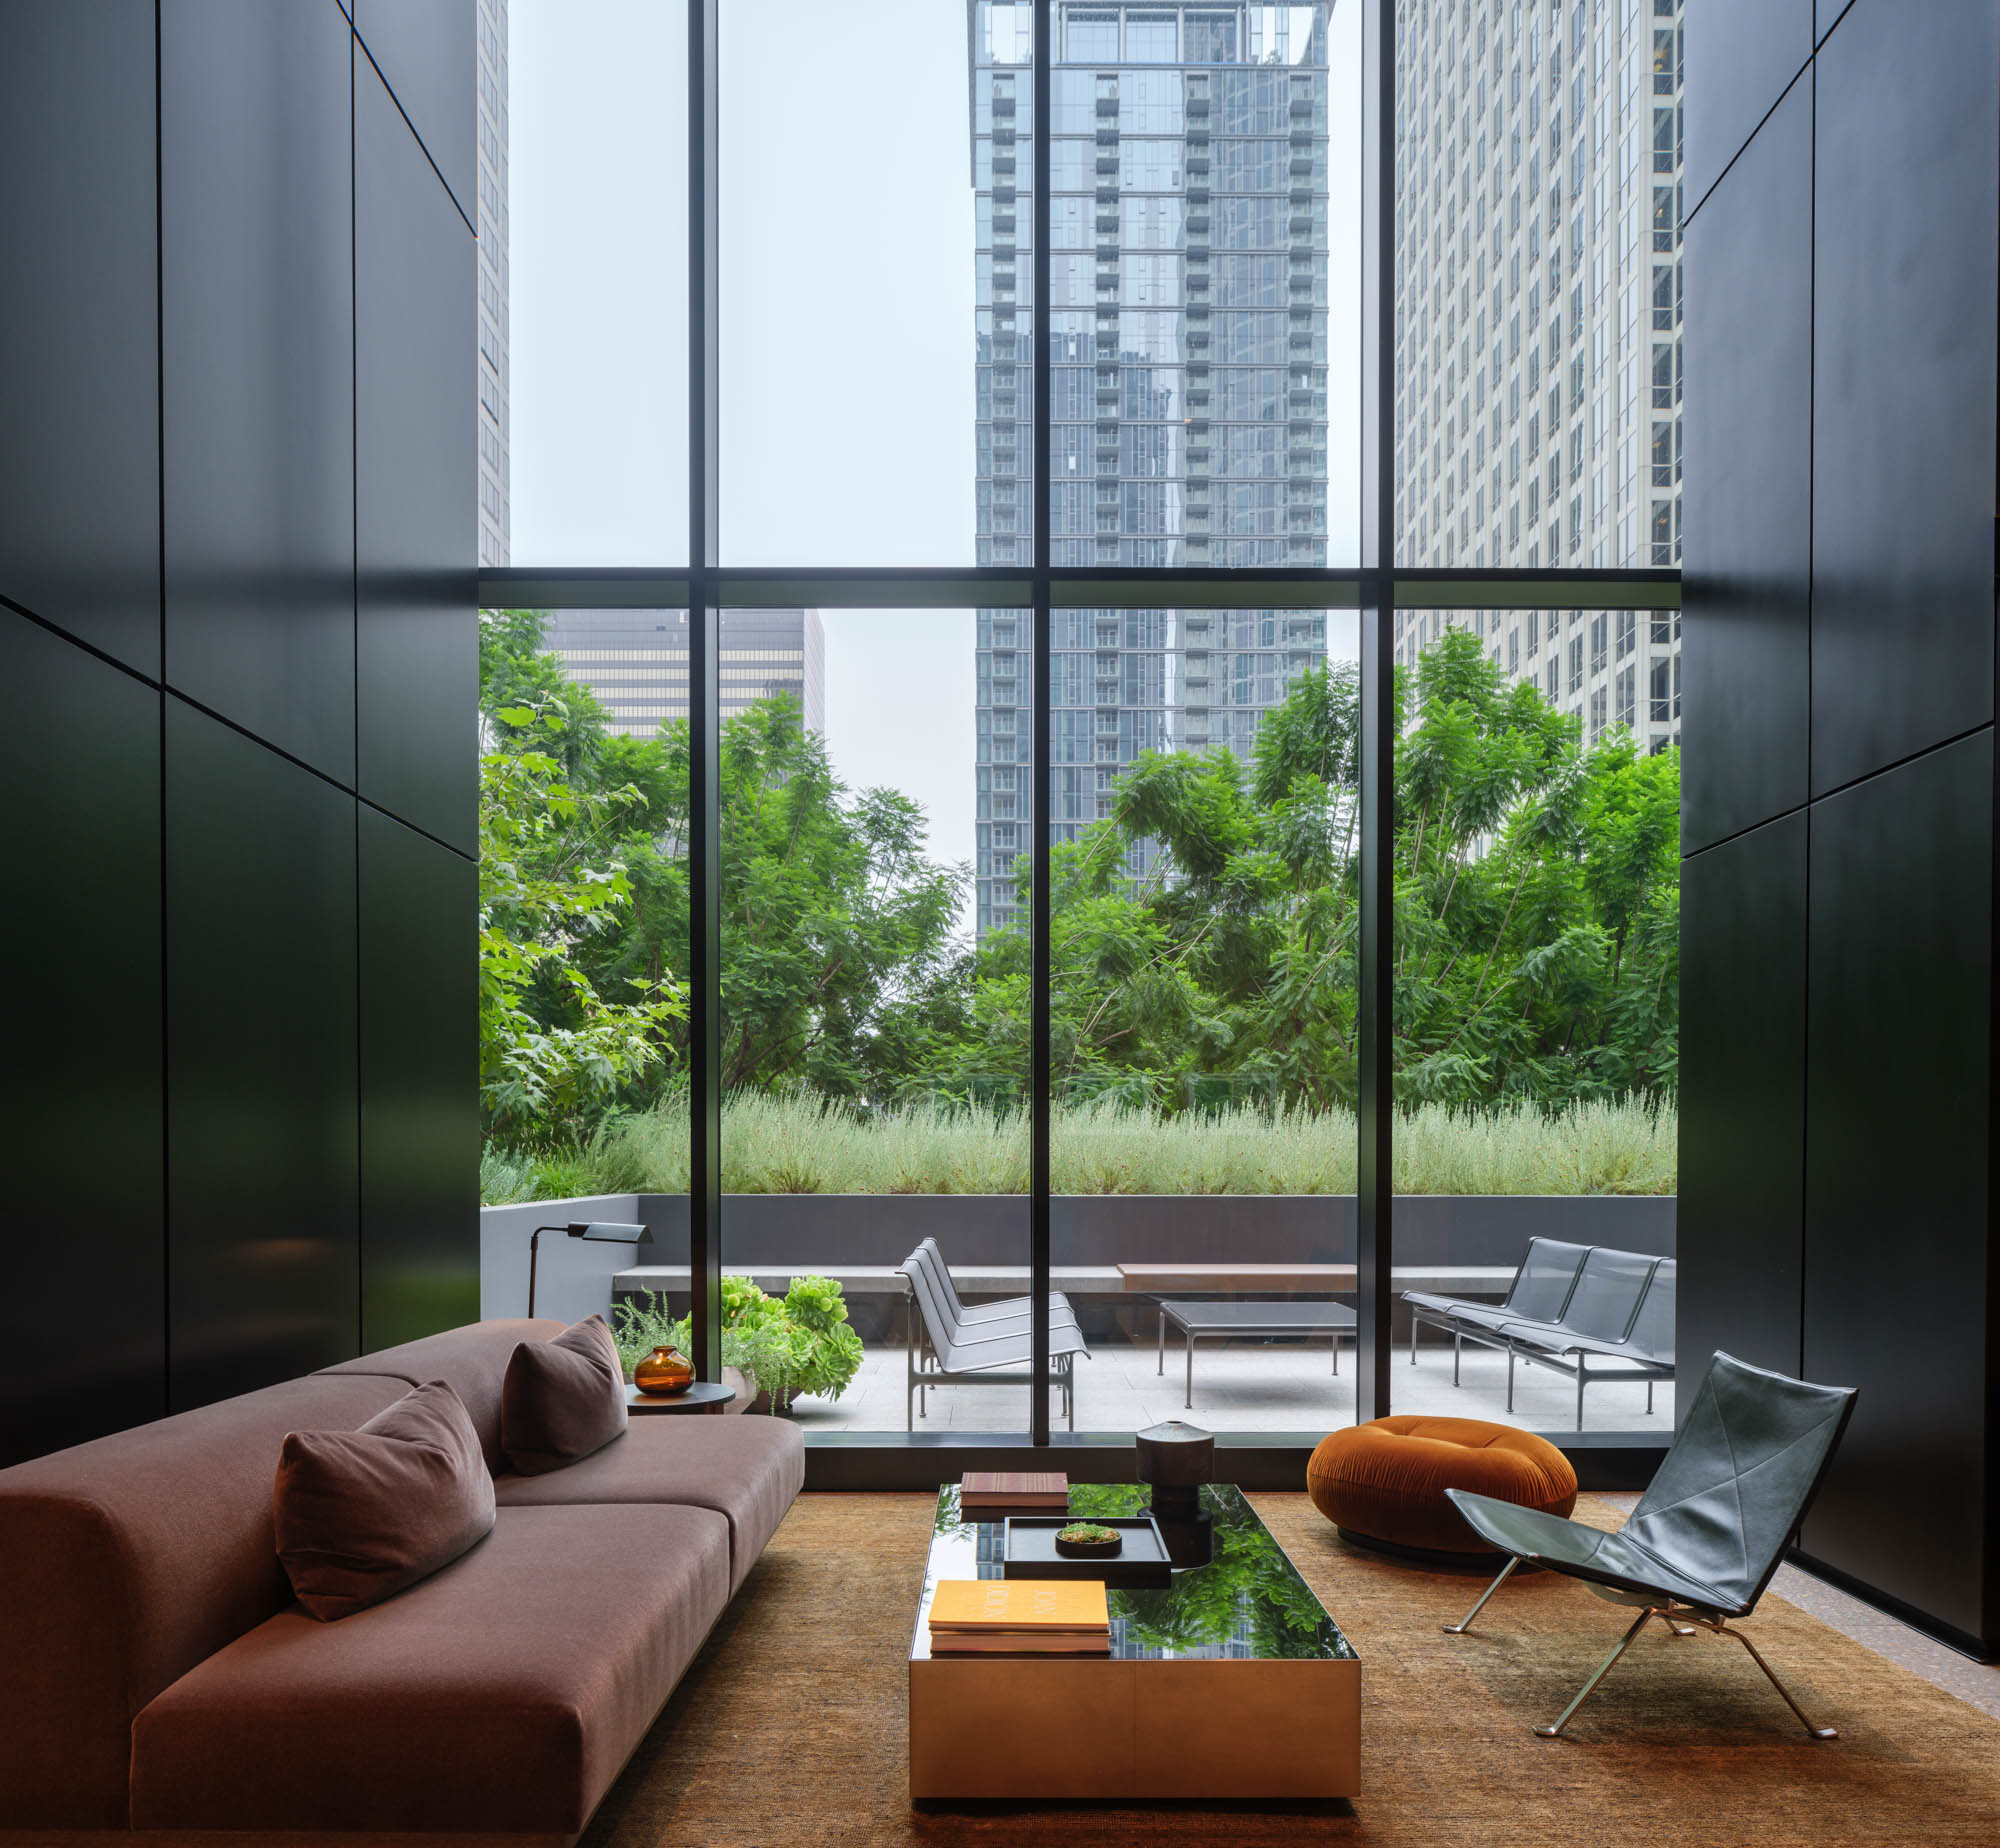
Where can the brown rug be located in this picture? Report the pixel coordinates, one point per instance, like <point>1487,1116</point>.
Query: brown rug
<point>790,1726</point>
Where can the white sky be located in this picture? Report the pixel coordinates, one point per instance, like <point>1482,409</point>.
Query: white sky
<point>846,280</point>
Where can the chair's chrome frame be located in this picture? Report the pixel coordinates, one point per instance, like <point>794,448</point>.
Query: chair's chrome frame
<point>1681,1619</point>
<point>923,1369</point>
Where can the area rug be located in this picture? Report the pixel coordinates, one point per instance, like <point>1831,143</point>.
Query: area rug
<point>789,1728</point>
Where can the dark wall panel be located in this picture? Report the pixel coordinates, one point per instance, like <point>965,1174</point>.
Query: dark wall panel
<point>80,1088</point>
<point>428,51</point>
<point>419,914</point>
<point>79,323</point>
<point>1747,513</point>
<point>262,1175</point>
<point>258,304</point>
<point>1906,301</point>
<point>1743,1084</point>
<point>416,480</point>
<point>1739,58</point>
<point>1897,1207</point>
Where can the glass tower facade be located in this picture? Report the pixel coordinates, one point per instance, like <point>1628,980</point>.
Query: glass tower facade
<point>636,662</point>
<point>494,494</point>
<point>1188,343</point>
<point>1538,338</point>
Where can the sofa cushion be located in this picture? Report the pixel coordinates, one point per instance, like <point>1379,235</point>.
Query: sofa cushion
<point>361,1515</point>
<point>123,1563</point>
<point>749,1470</point>
<point>474,1359</point>
<point>563,1398</point>
<point>503,1694</point>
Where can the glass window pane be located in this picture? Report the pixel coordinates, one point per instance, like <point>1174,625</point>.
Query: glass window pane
<point>1204,276</point>
<point>858,255</point>
<point>1536,974</point>
<point>874,1067</point>
<point>1203,889</point>
<point>593,235</point>
<point>583,960</point>
<point>1538,279</point>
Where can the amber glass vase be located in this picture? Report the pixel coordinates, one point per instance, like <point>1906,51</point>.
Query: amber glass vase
<point>664,1372</point>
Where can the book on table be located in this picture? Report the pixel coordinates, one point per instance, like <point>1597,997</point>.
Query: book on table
<point>1020,1617</point>
<point>1020,1642</point>
<point>1001,1491</point>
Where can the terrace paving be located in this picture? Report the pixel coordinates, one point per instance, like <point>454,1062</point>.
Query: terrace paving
<point>1244,1386</point>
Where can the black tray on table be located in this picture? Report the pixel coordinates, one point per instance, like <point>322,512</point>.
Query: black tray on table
<point>1028,1550</point>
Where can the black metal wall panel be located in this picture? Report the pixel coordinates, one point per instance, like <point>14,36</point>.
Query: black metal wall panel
<point>1743,1083</point>
<point>1906,302</point>
<point>419,920</point>
<point>262,1178</point>
<point>1747,499</point>
<point>427,50</point>
<point>79,320</point>
<point>1897,1201</point>
<point>1738,59</point>
<point>417,648</point>
<point>258,340</point>
<point>80,1088</point>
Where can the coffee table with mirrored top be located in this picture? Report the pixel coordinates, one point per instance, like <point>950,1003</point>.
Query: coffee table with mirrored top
<point>1232,1682</point>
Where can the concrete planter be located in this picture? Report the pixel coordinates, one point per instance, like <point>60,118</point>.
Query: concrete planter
<point>781,1235</point>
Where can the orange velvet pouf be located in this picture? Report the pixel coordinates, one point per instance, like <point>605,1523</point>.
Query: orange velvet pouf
<point>1385,1481</point>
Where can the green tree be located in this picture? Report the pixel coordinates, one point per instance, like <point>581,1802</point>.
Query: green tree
<point>1536,910</point>
<point>840,971</point>
<point>556,1048</point>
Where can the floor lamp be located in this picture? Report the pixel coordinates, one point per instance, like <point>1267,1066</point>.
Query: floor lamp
<point>598,1231</point>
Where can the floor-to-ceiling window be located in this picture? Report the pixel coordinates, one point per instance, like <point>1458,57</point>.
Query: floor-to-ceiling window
<point>1041,893</point>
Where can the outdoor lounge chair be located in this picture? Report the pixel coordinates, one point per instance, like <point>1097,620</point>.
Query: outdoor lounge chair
<point>1643,1351</point>
<point>940,1353</point>
<point>1703,1542</point>
<point>970,1316</point>
<point>1540,1292</point>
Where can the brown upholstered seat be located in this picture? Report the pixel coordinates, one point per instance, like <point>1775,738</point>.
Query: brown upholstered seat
<point>749,1470</point>
<point>503,1694</point>
<point>1386,1480</point>
<point>123,1563</point>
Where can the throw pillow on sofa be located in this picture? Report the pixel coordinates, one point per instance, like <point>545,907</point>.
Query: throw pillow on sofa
<point>364,1514</point>
<point>562,1399</point>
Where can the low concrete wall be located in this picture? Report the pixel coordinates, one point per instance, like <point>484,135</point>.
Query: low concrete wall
<point>573,1276</point>
<point>802,1232</point>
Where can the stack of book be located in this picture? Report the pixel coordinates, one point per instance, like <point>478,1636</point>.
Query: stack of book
<point>983,1493</point>
<point>1020,1617</point>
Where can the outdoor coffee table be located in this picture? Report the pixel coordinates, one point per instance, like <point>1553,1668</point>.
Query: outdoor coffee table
<point>1251,1318</point>
<point>1231,1683</point>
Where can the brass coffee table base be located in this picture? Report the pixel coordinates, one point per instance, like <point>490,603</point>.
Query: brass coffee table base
<point>1063,1728</point>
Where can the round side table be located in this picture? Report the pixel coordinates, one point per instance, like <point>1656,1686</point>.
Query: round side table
<point>702,1396</point>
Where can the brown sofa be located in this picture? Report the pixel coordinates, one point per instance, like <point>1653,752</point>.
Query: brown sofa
<point>161,1685</point>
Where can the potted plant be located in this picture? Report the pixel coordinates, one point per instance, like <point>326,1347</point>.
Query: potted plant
<point>778,1346</point>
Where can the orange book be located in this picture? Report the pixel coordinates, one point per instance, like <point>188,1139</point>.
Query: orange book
<point>1020,1642</point>
<point>1042,1606</point>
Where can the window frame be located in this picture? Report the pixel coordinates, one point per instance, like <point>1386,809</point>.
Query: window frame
<point>1373,584</point>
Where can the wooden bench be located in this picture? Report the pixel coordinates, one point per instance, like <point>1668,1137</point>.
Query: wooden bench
<point>880,1279</point>
<point>1097,1279</point>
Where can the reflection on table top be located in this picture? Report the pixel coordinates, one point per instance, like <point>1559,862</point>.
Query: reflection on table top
<point>1248,1603</point>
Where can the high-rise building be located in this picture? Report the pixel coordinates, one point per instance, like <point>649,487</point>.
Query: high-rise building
<point>1188,340</point>
<point>493,488</point>
<point>636,662</point>
<point>1538,337</point>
